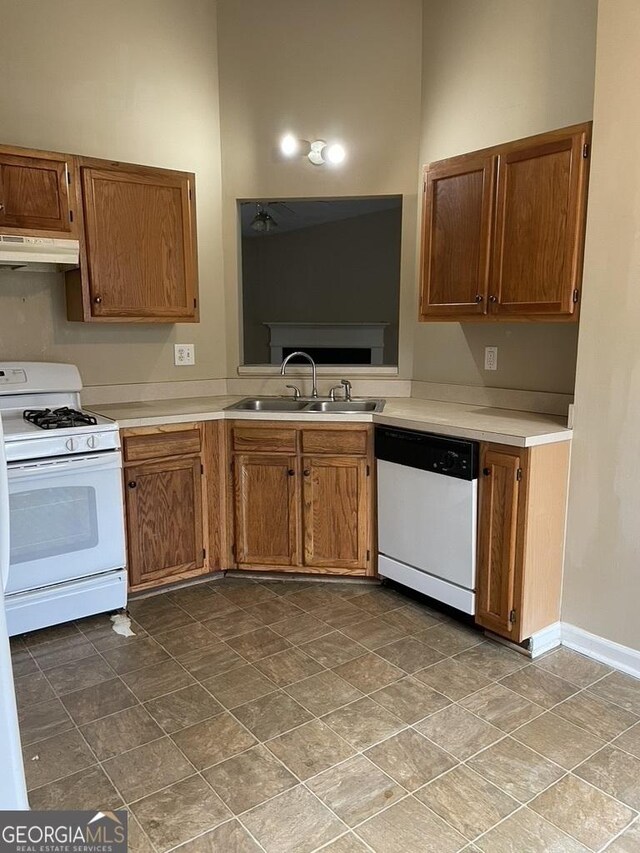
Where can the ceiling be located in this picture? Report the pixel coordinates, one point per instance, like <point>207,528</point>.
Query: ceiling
<point>295,214</point>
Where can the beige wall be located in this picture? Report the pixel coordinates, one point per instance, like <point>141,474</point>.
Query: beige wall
<point>133,81</point>
<point>497,70</point>
<point>345,271</point>
<point>343,70</point>
<point>602,572</point>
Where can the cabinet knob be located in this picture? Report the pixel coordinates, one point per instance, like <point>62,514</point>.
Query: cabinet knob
<point>479,297</point>
<point>493,299</point>
<point>306,472</point>
<point>97,299</point>
<point>291,472</point>
<point>132,484</point>
<point>1,205</point>
<point>486,472</point>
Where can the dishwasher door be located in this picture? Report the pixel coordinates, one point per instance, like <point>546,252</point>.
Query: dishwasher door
<point>427,522</point>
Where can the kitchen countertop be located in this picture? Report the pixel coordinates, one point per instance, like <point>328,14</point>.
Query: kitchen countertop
<point>482,423</point>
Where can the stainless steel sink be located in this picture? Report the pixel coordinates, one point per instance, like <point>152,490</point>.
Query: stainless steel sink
<point>347,406</point>
<point>268,404</point>
<point>284,404</point>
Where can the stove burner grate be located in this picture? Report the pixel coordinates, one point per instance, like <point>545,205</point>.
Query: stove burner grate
<point>62,418</point>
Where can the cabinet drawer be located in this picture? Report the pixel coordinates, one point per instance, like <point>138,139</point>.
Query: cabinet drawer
<point>269,439</point>
<point>353,442</point>
<point>159,445</point>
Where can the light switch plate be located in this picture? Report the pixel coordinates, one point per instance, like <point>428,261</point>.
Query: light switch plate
<point>184,354</point>
<point>491,358</point>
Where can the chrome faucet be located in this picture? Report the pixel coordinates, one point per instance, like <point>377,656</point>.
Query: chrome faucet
<point>283,368</point>
<point>347,388</point>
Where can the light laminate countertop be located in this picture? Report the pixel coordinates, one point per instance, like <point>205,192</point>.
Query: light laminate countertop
<point>481,423</point>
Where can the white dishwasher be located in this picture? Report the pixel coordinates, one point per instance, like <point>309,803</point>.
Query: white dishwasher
<point>427,513</point>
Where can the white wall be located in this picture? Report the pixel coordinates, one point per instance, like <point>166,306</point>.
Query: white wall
<point>493,71</point>
<point>133,81</point>
<point>344,70</point>
<point>602,571</point>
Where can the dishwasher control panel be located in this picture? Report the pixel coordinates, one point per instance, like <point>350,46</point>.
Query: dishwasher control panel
<point>451,457</point>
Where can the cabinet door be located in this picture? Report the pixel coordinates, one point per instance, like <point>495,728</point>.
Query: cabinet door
<point>140,244</point>
<point>164,519</point>
<point>336,513</point>
<point>34,195</point>
<point>497,548</point>
<point>540,214</point>
<point>458,203</point>
<point>266,501</point>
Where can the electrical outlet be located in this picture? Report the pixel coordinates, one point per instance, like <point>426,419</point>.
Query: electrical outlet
<point>184,354</point>
<point>491,358</point>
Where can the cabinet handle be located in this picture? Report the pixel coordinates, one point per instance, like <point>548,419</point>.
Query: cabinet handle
<point>493,299</point>
<point>291,472</point>
<point>486,472</point>
<point>306,472</point>
<point>97,299</point>
<point>479,297</point>
<point>132,484</point>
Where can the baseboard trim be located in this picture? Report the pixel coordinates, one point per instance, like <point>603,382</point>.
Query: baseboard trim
<point>545,640</point>
<point>620,657</point>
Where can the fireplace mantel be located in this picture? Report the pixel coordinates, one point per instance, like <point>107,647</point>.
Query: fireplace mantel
<point>366,336</point>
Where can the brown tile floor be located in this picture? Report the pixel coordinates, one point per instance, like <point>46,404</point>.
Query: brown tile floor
<point>290,717</point>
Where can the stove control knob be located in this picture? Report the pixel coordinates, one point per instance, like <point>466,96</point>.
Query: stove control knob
<point>92,442</point>
<point>71,444</point>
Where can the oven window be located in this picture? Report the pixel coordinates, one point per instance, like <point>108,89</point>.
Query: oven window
<point>51,522</point>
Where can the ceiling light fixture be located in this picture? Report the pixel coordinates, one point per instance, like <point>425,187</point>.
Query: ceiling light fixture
<point>263,222</point>
<point>318,152</point>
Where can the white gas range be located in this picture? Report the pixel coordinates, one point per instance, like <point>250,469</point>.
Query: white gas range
<point>65,500</point>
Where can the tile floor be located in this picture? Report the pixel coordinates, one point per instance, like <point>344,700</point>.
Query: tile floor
<point>290,717</point>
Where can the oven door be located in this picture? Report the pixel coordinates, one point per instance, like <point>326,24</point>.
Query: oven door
<point>66,519</point>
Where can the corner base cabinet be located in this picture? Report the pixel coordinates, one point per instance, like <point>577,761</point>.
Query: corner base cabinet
<point>523,497</point>
<point>301,497</point>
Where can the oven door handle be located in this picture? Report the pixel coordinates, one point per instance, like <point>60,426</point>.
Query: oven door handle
<point>110,460</point>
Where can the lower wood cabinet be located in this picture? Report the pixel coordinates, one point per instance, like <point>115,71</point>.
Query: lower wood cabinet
<point>302,511</point>
<point>266,509</point>
<point>523,495</point>
<point>165,517</point>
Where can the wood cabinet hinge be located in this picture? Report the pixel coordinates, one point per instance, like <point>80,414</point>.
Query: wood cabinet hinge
<point>585,150</point>
<point>368,470</point>
<point>68,177</point>
<point>368,556</point>
<point>71,216</point>
<point>201,469</point>
<point>195,303</point>
<point>576,295</point>
<point>512,617</point>
<point>204,553</point>
<point>190,193</point>
<point>519,474</point>
<point>233,552</point>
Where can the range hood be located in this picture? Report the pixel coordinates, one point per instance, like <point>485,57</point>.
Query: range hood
<point>38,254</point>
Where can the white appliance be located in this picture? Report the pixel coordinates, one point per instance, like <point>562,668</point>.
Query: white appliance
<point>427,514</point>
<point>67,552</point>
<point>38,254</point>
<point>13,790</point>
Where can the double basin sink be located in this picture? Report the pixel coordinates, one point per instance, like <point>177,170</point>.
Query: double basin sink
<point>306,407</point>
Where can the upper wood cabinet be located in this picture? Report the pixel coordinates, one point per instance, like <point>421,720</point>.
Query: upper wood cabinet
<point>503,230</point>
<point>457,229</point>
<point>523,495</point>
<point>139,258</point>
<point>37,193</point>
